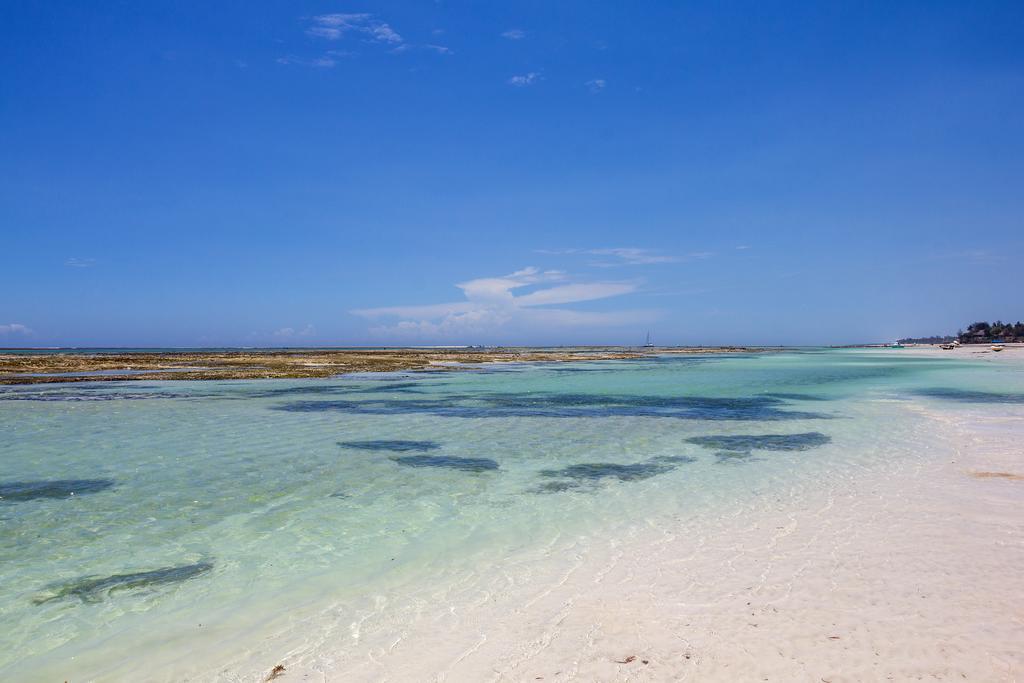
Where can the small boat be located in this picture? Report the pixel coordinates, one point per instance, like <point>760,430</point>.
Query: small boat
<point>947,347</point>
<point>996,347</point>
<point>648,344</point>
<point>895,345</point>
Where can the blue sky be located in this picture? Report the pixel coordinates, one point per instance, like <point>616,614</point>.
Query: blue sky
<point>289,173</point>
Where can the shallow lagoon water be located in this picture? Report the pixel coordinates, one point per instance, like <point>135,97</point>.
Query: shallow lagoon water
<point>293,494</point>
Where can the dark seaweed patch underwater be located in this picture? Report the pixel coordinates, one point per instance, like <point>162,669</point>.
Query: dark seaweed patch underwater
<point>93,589</point>
<point>734,448</point>
<point>399,445</point>
<point>796,397</point>
<point>756,408</point>
<point>966,396</point>
<point>53,488</point>
<point>82,393</point>
<point>763,442</point>
<point>591,473</point>
<point>733,457</point>
<point>595,471</point>
<point>447,462</point>
<point>338,389</point>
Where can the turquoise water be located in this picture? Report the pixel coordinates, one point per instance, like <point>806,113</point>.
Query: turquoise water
<point>165,518</point>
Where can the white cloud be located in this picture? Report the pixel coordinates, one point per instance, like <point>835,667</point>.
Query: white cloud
<point>429,311</point>
<point>385,34</point>
<point>327,61</point>
<point>335,26</point>
<point>292,333</point>
<point>15,328</point>
<point>634,255</point>
<point>408,47</point>
<point>492,308</point>
<point>698,255</point>
<point>979,255</point>
<point>524,80</point>
<point>596,84</point>
<point>630,256</point>
<point>567,294</point>
<point>514,34</point>
<point>342,21</point>
<point>80,262</point>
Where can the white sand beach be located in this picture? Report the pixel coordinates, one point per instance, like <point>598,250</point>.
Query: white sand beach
<point>909,571</point>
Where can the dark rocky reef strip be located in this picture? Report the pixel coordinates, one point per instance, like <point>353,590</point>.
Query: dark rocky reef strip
<point>796,397</point>
<point>448,462</point>
<point>93,589</point>
<point>86,394</point>
<point>589,474</point>
<point>339,390</point>
<point>595,471</point>
<point>763,442</point>
<point>966,396</point>
<point>740,447</point>
<point>757,408</point>
<point>52,488</point>
<point>390,445</point>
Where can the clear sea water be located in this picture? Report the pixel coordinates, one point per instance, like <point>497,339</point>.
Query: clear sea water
<point>152,522</point>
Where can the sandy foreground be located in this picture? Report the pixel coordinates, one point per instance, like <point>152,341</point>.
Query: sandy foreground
<point>911,570</point>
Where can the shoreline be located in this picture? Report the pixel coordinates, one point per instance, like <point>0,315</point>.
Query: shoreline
<point>47,368</point>
<point>902,570</point>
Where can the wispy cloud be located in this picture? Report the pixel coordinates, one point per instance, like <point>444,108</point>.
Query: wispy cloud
<point>979,255</point>
<point>631,256</point>
<point>596,85</point>
<point>492,307</point>
<point>324,62</point>
<point>408,47</point>
<point>635,256</point>
<point>524,80</point>
<point>12,329</point>
<point>75,262</point>
<point>514,34</point>
<point>568,294</point>
<point>292,333</point>
<point>363,25</point>
<point>335,26</point>
<point>678,292</point>
<point>974,255</point>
